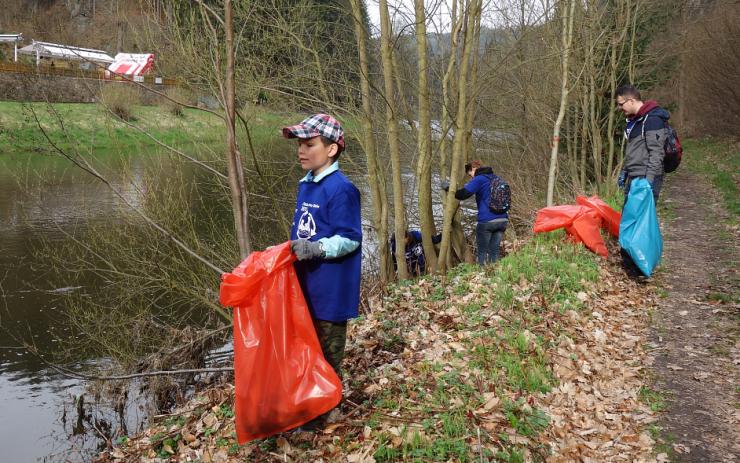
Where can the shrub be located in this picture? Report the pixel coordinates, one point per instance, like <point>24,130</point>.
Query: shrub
<point>120,99</point>
<point>176,97</point>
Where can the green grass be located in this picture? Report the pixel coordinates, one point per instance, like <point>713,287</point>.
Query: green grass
<point>89,128</point>
<point>550,266</point>
<point>719,160</point>
<point>653,399</point>
<point>526,420</point>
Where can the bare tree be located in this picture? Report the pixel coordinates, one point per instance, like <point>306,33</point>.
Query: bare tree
<point>424,144</point>
<point>399,209</point>
<point>567,12</point>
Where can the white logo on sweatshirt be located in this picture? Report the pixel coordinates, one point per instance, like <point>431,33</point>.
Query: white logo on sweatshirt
<point>306,226</point>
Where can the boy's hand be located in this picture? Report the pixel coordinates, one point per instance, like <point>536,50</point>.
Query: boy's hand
<point>445,185</point>
<point>304,249</point>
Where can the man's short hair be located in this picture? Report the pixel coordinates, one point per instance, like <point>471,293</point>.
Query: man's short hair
<point>628,91</point>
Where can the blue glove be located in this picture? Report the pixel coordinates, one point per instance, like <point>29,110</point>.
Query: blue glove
<point>305,250</point>
<point>622,179</point>
<point>445,185</point>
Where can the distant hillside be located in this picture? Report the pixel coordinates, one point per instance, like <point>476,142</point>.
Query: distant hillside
<point>104,24</point>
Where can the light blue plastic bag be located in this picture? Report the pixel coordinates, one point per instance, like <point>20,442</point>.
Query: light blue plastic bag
<point>639,231</point>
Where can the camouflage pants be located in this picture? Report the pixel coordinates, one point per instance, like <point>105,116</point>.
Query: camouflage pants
<point>332,337</point>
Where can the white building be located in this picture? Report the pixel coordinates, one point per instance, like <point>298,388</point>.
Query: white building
<point>55,51</point>
<point>15,39</point>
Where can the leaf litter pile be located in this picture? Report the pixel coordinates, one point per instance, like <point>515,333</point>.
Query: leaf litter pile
<point>539,358</point>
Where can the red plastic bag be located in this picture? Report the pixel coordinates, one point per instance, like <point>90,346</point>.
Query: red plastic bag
<point>585,229</point>
<point>609,217</point>
<point>552,218</point>
<point>281,377</point>
<point>581,223</point>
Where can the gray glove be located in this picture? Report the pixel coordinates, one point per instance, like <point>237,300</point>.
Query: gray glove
<point>445,185</point>
<point>305,250</point>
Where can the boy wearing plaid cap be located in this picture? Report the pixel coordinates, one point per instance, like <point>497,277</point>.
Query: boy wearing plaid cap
<point>326,235</point>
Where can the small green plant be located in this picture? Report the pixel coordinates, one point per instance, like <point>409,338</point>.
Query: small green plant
<point>438,294</point>
<point>510,455</point>
<point>175,421</point>
<point>720,297</point>
<point>120,99</point>
<point>652,399</point>
<point>175,98</point>
<point>526,420</point>
<point>225,411</point>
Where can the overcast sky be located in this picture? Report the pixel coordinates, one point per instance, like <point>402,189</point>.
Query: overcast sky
<point>402,11</point>
<point>496,13</point>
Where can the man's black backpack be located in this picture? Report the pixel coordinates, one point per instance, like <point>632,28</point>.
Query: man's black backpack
<point>672,149</point>
<point>500,199</point>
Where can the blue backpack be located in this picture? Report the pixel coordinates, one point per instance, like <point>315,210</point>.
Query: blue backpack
<point>499,201</point>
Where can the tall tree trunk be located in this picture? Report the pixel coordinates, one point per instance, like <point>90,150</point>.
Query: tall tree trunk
<point>399,211</point>
<point>447,83</point>
<point>617,49</point>
<point>451,204</point>
<point>567,39</point>
<point>585,139</point>
<point>633,36</point>
<point>424,144</point>
<point>376,177</point>
<point>470,118</point>
<point>235,167</point>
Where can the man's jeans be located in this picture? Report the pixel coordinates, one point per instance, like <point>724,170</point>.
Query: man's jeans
<point>656,186</point>
<point>488,236</point>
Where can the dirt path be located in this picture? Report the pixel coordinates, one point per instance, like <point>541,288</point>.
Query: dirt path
<point>695,337</point>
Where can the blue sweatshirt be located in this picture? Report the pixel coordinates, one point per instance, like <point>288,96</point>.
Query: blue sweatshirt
<point>329,206</point>
<point>480,186</point>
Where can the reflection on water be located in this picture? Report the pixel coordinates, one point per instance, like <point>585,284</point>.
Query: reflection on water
<point>46,202</point>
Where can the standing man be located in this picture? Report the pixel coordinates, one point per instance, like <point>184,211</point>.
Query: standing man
<point>645,135</point>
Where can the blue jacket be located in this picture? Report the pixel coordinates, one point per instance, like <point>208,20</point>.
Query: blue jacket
<point>324,209</point>
<point>480,186</point>
<point>416,261</point>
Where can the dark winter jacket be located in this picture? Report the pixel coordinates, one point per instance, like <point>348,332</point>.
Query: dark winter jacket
<point>646,134</point>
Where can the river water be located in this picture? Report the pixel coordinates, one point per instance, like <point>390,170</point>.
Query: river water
<point>44,203</point>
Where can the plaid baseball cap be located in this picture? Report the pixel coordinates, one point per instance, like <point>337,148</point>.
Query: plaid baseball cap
<point>317,125</point>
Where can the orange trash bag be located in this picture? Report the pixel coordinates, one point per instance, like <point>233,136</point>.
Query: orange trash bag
<point>609,217</point>
<point>281,377</point>
<point>585,229</point>
<point>552,218</point>
<point>581,223</point>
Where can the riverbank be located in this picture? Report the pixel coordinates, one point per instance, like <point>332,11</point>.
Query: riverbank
<point>540,357</point>
<point>89,127</point>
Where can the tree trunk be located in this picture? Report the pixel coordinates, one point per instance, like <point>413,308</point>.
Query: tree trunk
<point>585,139</point>
<point>468,149</point>
<point>399,211</point>
<point>613,61</point>
<point>567,38</point>
<point>235,167</point>
<point>376,178</point>
<point>445,256</point>
<point>445,122</point>
<point>424,144</point>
